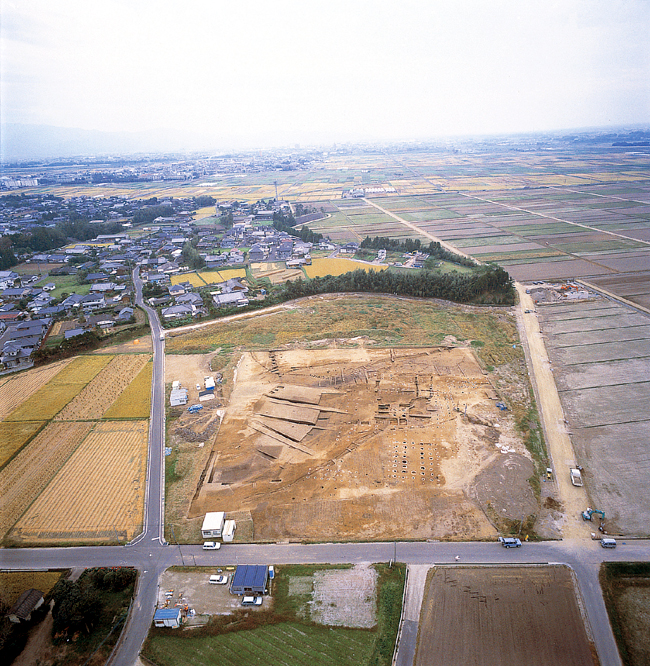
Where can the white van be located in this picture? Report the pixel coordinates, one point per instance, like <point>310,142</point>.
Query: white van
<point>211,545</point>
<point>608,543</point>
<point>251,601</point>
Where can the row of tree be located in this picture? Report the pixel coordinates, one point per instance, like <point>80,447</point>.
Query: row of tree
<point>484,284</point>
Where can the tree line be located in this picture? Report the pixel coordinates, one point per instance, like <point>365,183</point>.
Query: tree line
<point>282,222</point>
<point>488,284</point>
<point>434,249</point>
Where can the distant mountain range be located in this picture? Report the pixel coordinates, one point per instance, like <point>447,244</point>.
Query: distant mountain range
<point>28,142</point>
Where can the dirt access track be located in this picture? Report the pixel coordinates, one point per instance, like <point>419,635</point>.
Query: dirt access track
<point>357,443</point>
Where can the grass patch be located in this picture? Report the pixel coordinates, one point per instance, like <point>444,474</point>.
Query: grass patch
<point>387,320</point>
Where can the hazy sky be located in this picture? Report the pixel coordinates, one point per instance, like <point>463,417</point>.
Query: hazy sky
<point>301,69</point>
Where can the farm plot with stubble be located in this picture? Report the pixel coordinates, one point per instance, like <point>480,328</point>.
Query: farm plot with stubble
<point>48,400</point>
<point>29,472</point>
<point>98,495</point>
<point>15,390</point>
<point>135,401</point>
<point>104,389</point>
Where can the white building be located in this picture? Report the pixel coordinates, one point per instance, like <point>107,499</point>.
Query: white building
<point>212,527</point>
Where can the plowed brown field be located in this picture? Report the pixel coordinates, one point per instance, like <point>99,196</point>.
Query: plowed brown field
<point>515,616</point>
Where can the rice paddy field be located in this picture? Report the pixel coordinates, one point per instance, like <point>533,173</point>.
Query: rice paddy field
<point>204,278</point>
<point>327,266</point>
<point>65,427</point>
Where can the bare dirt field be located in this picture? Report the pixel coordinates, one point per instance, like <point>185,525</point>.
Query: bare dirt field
<point>600,351</point>
<point>516,616</point>
<point>345,597</point>
<point>366,444</point>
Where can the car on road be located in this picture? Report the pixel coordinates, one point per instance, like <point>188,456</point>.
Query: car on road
<point>251,601</point>
<point>211,545</point>
<point>218,580</point>
<point>608,543</point>
<point>510,542</point>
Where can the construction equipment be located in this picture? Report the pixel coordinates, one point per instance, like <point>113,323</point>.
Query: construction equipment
<point>586,515</point>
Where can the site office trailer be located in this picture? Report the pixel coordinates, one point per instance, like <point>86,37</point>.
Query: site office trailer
<point>212,527</point>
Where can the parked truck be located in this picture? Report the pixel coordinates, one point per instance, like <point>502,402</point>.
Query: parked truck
<point>576,476</point>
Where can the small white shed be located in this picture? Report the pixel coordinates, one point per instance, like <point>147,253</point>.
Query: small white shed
<point>229,531</point>
<point>167,617</point>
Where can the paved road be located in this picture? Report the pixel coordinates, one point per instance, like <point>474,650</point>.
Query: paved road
<point>152,559</point>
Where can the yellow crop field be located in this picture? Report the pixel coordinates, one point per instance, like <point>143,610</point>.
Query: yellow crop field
<point>211,277</point>
<point>14,583</point>
<point>46,402</point>
<point>33,468</point>
<point>326,266</point>
<point>97,396</point>
<point>98,494</point>
<point>228,273</point>
<point>192,278</point>
<point>82,369</point>
<point>208,211</point>
<point>14,434</point>
<point>135,400</point>
<point>17,389</point>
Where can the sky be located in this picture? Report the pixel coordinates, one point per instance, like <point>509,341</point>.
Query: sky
<point>255,71</point>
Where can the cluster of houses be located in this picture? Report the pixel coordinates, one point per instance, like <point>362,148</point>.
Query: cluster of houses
<point>20,340</point>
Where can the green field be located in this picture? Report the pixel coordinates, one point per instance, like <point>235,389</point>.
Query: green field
<point>285,643</point>
<point>65,284</point>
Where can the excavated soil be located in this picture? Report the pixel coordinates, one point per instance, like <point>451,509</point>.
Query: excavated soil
<point>357,443</point>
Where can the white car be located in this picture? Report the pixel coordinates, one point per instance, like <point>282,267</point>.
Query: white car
<point>211,545</point>
<point>218,580</point>
<point>251,601</point>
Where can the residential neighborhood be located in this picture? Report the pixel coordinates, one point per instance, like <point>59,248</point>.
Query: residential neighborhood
<point>52,295</point>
